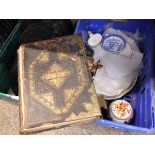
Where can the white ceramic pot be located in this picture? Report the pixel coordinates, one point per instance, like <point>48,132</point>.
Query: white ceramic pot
<point>121,111</point>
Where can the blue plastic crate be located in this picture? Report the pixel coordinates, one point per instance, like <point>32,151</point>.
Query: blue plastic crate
<point>142,95</point>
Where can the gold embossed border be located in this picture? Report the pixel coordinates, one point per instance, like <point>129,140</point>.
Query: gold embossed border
<point>71,99</point>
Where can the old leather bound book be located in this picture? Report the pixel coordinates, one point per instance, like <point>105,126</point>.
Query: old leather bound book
<point>55,87</point>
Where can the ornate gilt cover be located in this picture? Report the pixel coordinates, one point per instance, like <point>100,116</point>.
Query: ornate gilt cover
<point>54,84</point>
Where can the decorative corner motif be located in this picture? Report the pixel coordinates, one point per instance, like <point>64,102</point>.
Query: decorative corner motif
<point>92,108</point>
<point>63,56</point>
<point>44,57</point>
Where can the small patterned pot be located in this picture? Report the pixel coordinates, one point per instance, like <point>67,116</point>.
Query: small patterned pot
<point>121,111</point>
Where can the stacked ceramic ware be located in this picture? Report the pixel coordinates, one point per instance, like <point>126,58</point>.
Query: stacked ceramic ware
<point>121,60</point>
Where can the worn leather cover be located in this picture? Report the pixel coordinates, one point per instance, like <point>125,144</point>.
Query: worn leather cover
<point>55,88</point>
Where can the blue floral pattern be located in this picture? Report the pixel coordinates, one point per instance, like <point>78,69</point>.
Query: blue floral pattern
<point>113,43</point>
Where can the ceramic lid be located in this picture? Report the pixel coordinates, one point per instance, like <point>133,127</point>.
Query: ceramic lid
<point>94,39</point>
<point>121,109</point>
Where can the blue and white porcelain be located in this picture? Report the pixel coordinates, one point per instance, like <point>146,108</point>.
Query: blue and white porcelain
<point>113,43</point>
<point>121,60</point>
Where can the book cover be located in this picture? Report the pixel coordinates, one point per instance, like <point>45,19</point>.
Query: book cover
<point>55,87</point>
